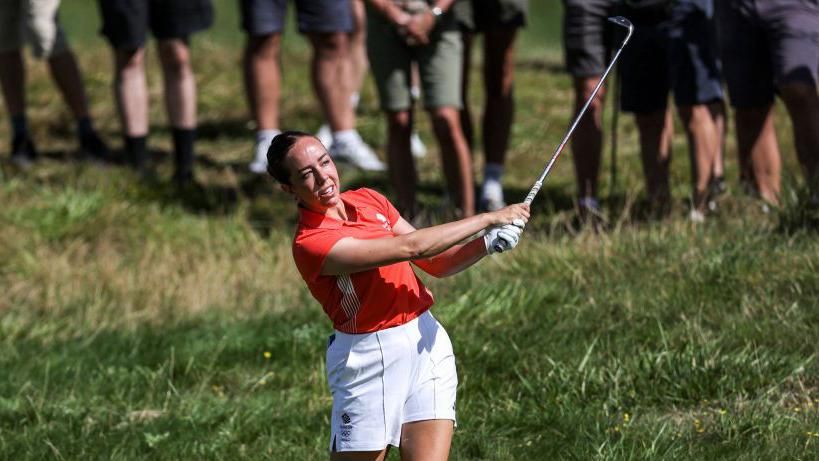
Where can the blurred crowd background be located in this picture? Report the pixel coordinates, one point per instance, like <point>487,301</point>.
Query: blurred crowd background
<point>688,59</point>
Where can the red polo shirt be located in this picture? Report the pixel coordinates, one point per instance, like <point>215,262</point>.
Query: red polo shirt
<point>365,301</point>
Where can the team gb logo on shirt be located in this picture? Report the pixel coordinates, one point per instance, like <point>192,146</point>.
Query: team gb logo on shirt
<point>384,222</point>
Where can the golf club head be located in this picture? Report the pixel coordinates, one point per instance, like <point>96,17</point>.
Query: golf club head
<point>621,21</point>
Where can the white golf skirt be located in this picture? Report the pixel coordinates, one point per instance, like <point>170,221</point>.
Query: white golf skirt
<point>384,379</point>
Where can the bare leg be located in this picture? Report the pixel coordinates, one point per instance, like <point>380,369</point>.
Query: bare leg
<point>759,158</point>
<point>330,64</point>
<point>66,73</point>
<point>499,77</point>
<point>358,47</point>
<point>12,81</point>
<point>655,150</point>
<point>802,102</point>
<point>131,91</point>
<point>263,79</point>
<point>180,83</point>
<point>718,115</point>
<point>455,156</point>
<point>587,142</point>
<point>466,112</point>
<point>360,455</point>
<point>401,164</point>
<point>426,440</point>
<point>703,146</point>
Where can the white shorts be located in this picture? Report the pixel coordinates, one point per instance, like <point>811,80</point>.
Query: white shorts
<point>384,379</point>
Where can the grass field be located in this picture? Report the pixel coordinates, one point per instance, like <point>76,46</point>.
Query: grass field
<point>138,324</point>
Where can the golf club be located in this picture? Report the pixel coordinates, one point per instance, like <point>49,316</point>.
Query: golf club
<point>622,22</point>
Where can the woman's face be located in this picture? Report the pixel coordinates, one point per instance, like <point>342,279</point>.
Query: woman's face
<point>313,175</point>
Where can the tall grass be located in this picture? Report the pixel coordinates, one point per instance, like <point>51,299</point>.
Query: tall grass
<point>138,323</point>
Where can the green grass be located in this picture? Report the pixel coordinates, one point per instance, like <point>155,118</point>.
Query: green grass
<point>134,322</point>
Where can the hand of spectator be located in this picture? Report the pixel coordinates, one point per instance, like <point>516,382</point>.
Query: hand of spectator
<point>419,27</point>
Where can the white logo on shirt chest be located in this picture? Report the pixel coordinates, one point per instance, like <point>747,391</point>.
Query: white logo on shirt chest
<point>384,222</point>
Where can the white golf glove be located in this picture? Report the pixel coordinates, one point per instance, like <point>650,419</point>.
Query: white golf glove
<point>503,238</point>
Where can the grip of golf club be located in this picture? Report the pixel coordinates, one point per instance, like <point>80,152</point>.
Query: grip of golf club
<point>500,247</point>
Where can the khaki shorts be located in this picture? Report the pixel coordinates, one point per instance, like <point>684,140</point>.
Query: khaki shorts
<point>32,21</point>
<point>439,64</point>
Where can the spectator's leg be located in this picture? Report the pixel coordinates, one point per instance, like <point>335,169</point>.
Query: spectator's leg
<point>656,130</point>
<point>263,79</point>
<point>758,151</point>
<point>358,51</point>
<point>131,91</point>
<point>802,102</point>
<point>12,80</point>
<point>66,73</point>
<point>329,67</point>
<point>587,141</point>
<point>180,83</point>
<point>466,112</point>
<point>180,103</point>
<point>499,77</point>
<point>703,146</point>
<point>455,156</point>
<point>718,116</point>
<point>401,163</point>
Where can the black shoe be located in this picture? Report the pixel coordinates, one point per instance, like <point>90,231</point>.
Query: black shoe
<point>93,148</point>
<point>23,153</point>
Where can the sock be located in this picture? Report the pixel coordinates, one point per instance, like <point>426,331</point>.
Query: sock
<point>354,99</point>
<point>492,172</point>
<point>19,125</point>
<point>183,139</point>
<point>135,150</point>
<point>84,127</point>
<point>346,136</point>
<point>265,137</point>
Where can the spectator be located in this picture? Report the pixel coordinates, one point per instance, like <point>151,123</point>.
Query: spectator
<point>327,24</point>
<point>37,22</point>
<point>772,47</point>
<point>400,32</point>
<point>499,21</point>
<point>125,25</point>
<point>674,48</point>
<point>358,71</point>
<point>586,35</point>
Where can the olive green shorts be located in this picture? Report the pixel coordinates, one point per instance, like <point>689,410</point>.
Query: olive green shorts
<point>439,64</point>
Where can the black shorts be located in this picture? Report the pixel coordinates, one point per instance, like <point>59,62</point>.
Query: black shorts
<point>678,55</point>
<point>263,17</point>
<point>125,23</point>
<point>766,45</point>
<point>478,15</point>
<point>587,35</point>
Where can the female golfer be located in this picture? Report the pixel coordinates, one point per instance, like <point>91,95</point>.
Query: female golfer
<point>390,364</point>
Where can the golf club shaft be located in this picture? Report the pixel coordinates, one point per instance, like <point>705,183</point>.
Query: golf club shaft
<point>621,21</point>
<point>539,183</point>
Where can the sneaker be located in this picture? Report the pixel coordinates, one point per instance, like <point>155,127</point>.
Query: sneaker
<point>358,154</point>
<point>94,148</point>
<point>419,150</point>
<point>696,216</point>
<point>259,163</point>
<point>325,135</point>
<point>23,152</point>
<point>491,196</point>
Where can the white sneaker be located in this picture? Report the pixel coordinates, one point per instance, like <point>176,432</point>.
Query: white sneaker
<point>696,216</point>
<point>417,146</point>
<point>492,196</point>
<point>358,154</point>
<point>259,163</point>
<point>325,135</point>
